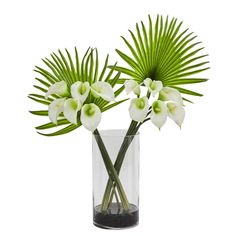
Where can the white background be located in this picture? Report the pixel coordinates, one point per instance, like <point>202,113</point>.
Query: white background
<point>188,177</point>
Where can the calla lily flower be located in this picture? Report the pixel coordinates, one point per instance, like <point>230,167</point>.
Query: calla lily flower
<point>138,109</point>
<point>104,90</point>
<point>71,108</point>
<point>159,113</point>
<point>59,88</point>
<point>90,116</point>
<point>55,108</point>
<point>154,86</point>
<point>132,85</point>
<point>80,91</point>
<point>170,94</point>
<point>176,112</point>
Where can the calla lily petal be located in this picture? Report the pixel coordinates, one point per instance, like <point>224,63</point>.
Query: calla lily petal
<point>59,88</point>
<point>55,108</point>
<point>147,81</point>
<point>71,108</point>
<point>154,86</point>
<point>176,112</point>
<point>132,85</point>
<point>90,116</point>
<point>171,94</point>
<point>104,90</point>
<point>80,91</point>
<point>159,113</point>
<point>138,109</point>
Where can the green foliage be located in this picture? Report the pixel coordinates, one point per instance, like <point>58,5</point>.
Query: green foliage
<point>165,52</point>
<point>160,51</point>
<point>62,67</point>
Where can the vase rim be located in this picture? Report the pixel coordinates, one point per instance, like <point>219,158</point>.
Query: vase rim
<point>115,133</point>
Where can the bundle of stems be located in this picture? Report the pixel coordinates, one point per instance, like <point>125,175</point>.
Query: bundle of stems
<point>114,186</point>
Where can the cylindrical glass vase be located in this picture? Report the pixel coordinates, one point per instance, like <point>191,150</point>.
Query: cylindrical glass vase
<point>115,179</point>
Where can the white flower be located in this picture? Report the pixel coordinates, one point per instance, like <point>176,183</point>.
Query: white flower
<point>132,85</point>
<point>176,112</point>
<point>159,113</point>
<point>80,91</point>
<point>55,108</point>
<point>138,109</point>
<point>90,116</point>
<point>104,90</point>
<point>154,86</point>
<point>71,108</point>
<point>59,88</point>
<point>170,94</point>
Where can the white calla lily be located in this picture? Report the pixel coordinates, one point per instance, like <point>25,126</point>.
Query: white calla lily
<point>132,86</point>
<point>138,109</point>
<point>159,113</point>
<point>154,86</point>
<point>80,91</point>
<point>55,108</point>
<point>71,108</point>
<point>59,88</point>
<point>171,94</point>
<point>104,90</point>
<point>176,112</point>
<point>90,116</point>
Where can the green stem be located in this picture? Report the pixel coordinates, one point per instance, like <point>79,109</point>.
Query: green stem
<point>107,197</point>
<point>114,193</point>
<point>122,159</point>
<point>113,175</point>
<point>118,164</point>
<point>132,130</point>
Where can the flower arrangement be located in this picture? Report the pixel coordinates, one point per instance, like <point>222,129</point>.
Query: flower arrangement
<point>161,59</point>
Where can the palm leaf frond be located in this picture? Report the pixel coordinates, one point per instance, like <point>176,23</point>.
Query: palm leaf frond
<point>40,113</point>
<point>64,67</point>
<point>65,130</point>
<point>163,51</point>
<point>52,125</point>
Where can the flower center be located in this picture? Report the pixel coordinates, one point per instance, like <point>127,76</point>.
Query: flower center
<point>152,85</point>
<point>140,104</point>
<point>89,110</point>
<point>171,107</point>
<point>82,89</point>
<point>156,107</point>
<point>73,105</point>
<point>97,89</point>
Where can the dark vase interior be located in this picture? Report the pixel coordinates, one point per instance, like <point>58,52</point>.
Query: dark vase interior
<point>115,217</point>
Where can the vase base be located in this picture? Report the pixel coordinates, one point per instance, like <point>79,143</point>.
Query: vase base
<point>115,218</point>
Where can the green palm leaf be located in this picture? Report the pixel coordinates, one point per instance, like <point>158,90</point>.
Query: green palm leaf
<point>65,130</point>
<point>52,125</point>
<point>163,51</point>
<point>62,67</point>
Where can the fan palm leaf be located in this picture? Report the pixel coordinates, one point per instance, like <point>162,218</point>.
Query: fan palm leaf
<point>163,51</point>
<point>62,67</point>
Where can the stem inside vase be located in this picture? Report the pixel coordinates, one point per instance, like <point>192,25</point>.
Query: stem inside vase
<point>111,170</point>
<point>121,201</point>
<point>111,186</point>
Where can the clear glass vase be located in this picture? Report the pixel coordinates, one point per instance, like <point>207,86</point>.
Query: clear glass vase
<point>115,179</point>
